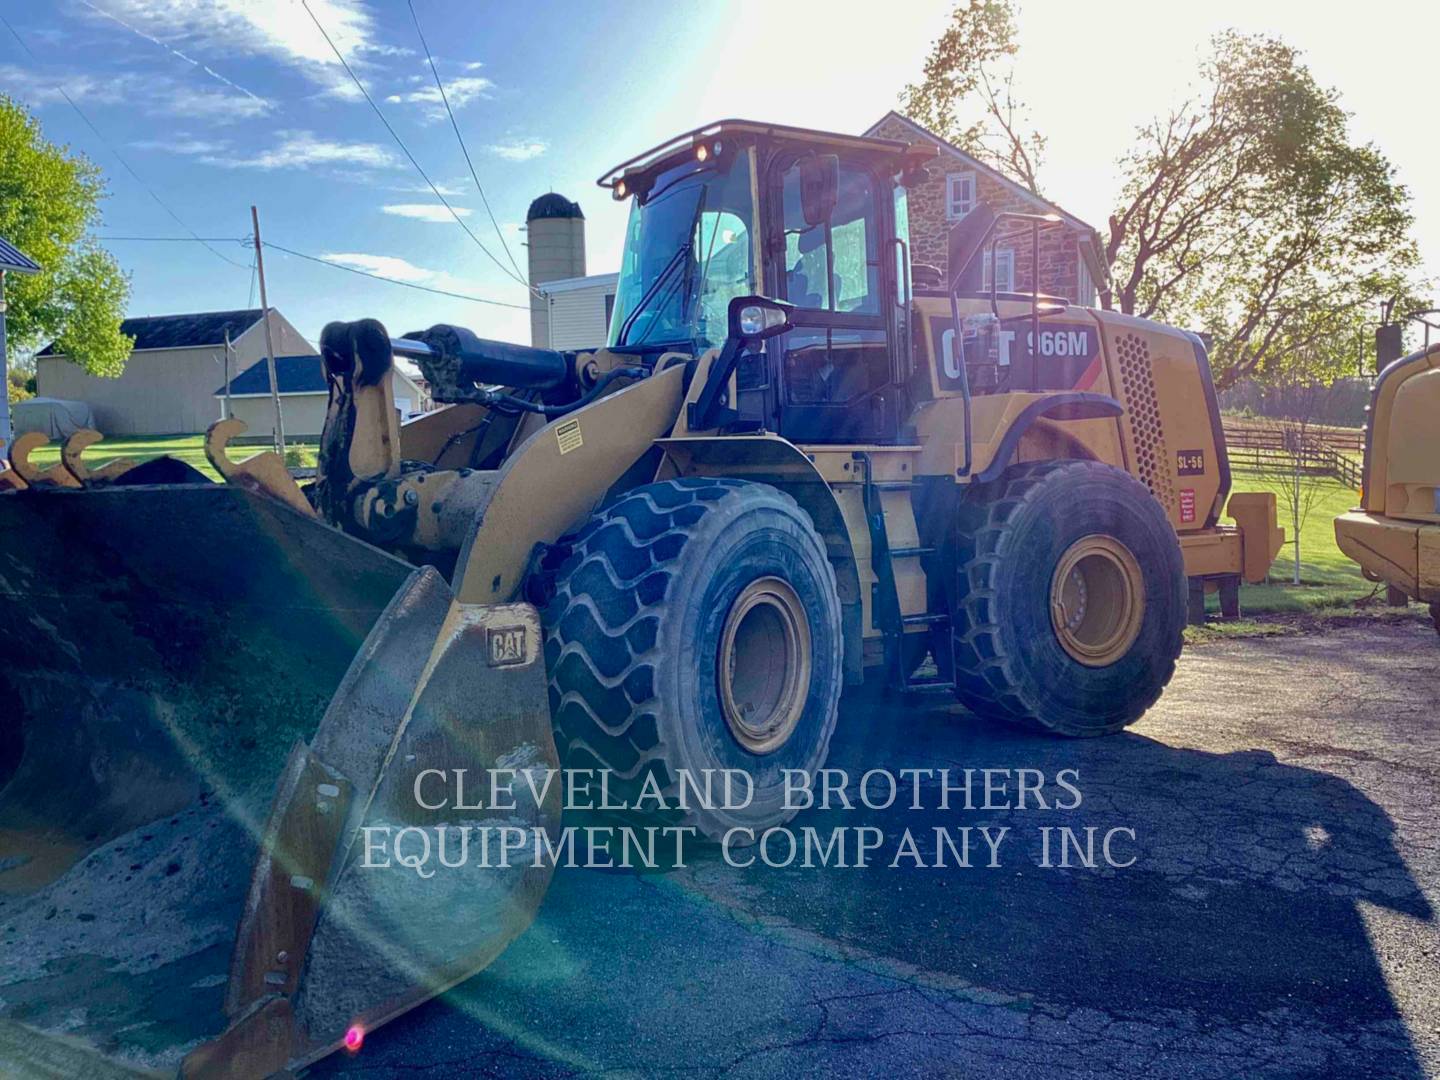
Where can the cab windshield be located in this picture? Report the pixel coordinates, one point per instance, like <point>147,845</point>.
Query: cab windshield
<point>687,255</point>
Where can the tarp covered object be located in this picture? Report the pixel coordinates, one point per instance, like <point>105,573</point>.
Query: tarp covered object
<point>54,417</point>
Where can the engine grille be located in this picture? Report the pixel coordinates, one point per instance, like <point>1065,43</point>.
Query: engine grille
<point>1142,413</point>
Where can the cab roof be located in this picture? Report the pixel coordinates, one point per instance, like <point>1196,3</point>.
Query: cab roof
<point>685,144</point>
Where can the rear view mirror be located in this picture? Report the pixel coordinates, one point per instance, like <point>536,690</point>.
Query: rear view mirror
<point>1389,344</point>
<point>819,185</point>
<point>967,238</point>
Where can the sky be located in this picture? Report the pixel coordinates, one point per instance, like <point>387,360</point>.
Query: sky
<point>219,104</point>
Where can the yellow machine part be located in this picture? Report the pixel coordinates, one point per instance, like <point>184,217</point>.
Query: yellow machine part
<point>1405,554</point>
<point>1395,533</point>
<point>1168,434</point>
<point>1402,474</point>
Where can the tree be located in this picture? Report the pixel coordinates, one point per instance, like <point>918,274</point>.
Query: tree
<point>18,382</point>
<point>967,94</point>
<point>1249,212</point>
<point>49,198</point>
<point>1298,468</point>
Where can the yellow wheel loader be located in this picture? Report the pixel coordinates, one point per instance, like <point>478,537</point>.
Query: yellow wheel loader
<point>798,460</point>
<point>1395,532</point>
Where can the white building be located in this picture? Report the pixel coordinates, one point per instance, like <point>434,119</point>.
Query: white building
<point>304,396</point>
<point>168,385</point>
<point>577,310</point>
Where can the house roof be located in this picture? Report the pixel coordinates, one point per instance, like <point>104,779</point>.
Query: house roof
<point>183,331</point>
<point>295,374</point>
<point>592,281</point>
<point>995,174</point>
<point>15,261</point>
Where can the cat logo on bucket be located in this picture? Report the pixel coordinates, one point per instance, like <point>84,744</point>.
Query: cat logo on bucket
<point>507,645</point>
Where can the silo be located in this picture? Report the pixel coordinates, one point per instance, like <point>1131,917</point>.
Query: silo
<point>555,228</point>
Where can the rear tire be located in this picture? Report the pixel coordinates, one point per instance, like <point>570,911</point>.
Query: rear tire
<point>1069,598</point>
<point>695,625</point>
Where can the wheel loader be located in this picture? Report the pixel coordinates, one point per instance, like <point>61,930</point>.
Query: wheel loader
<point>798,461</point>
<point>1394,534</point>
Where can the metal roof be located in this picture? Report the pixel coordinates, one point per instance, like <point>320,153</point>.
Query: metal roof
<point>553,206</point>
<point>183,331</point>
<point>295,374</point>
<point>15,261</point>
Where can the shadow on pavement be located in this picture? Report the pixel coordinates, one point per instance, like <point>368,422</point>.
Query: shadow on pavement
<point>1233,946</point>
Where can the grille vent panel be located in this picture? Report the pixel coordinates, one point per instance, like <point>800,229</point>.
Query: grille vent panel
<point>1147,432</point>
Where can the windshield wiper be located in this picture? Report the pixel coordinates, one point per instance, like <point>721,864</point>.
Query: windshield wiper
<point>680,253</point>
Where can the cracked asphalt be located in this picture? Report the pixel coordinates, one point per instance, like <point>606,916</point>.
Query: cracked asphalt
<point>1279,919</point>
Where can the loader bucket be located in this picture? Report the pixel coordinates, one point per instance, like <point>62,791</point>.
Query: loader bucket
<point>204,697</point>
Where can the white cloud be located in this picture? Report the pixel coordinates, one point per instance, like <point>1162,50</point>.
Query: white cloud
<point>391,266</point>
<point>515,149</point>
<point>448,190</point>
<point>216,106</point>
<point>302,149</point>
<point>460,92</point>
<point>155,94</point>
<point>278,29</point>
<point>211,72</point>
<point>183,144</point>
<point>435,212</point>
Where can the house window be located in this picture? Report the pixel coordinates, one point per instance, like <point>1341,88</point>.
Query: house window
<point>1084,284</point>
<point>959,195</point>
<point>1004,270</point>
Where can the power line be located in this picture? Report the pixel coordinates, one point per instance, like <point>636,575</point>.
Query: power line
<point>118,156</point>
<point>180,239</point>
<point>320,261</point>
<point>445,99</point>
<point>395,281</point>
<point>406,151</point>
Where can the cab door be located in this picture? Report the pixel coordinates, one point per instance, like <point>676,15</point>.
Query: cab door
<point>834,366</point>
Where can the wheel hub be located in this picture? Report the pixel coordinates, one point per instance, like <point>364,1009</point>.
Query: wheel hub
<point>764,664</point>
<point>1097,600</point>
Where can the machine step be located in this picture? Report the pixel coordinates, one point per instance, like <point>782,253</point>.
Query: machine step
<point>929,685</point>
<point>927,619</point>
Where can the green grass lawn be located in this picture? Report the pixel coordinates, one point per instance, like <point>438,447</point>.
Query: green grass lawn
<point>188,448</point>
<point>1329,579</point>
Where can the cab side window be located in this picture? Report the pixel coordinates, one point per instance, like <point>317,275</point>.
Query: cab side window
<point>833,266</point>
<point>835,363</point>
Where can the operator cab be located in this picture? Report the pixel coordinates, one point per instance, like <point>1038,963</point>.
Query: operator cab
<point>815,220</point>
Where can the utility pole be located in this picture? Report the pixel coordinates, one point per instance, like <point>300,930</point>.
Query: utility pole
<point>6,434</point>
<point>12,261</point>
<point>228,413</point>
<point>269,342</point>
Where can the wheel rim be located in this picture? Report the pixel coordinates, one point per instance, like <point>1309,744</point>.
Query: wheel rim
<point>764,664</point>
<point>1097,600</point>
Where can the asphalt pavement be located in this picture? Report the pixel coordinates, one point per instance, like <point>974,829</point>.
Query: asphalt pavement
<point>1278,918</point>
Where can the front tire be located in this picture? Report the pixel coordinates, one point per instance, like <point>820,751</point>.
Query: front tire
<point>1069,598</point>
<point>696,625</point>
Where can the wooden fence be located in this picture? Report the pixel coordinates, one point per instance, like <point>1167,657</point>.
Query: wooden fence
<point>1277,447</point>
